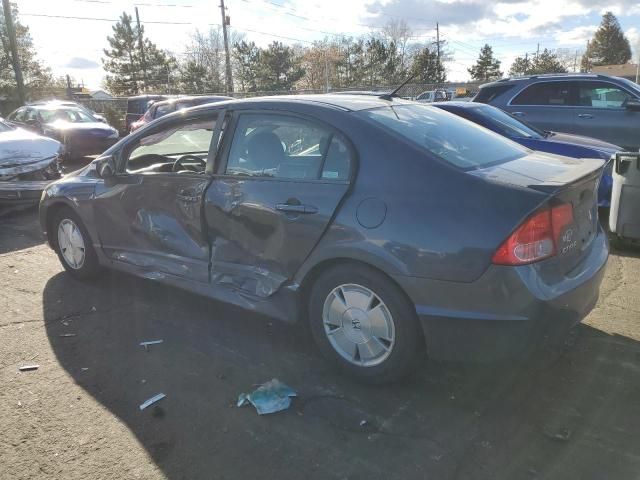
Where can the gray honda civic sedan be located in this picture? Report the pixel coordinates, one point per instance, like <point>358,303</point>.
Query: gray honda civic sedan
<point>393,227</point>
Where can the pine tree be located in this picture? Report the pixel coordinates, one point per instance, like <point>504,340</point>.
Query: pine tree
<point>246,58</point>
<point>487,67</point>
<point>278,68</point>
<point>127,74</point>
<point>609,45</point>
<point>428,68</point>
<point>544,62</point>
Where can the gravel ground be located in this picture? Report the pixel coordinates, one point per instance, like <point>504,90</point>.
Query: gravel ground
<point>570,413</point>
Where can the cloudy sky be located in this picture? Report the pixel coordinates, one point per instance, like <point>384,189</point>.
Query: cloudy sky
<point>513,27</point>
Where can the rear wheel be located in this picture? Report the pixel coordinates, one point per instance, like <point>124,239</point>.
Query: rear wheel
<point>72,243</point>
<point>364,324</point>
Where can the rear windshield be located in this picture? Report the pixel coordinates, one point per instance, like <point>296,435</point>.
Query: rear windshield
<point>452,139</point>
<point>508,125</point>
<point>73,115</point>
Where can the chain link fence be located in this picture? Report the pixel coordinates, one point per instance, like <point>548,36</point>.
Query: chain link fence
<point>115,109</point>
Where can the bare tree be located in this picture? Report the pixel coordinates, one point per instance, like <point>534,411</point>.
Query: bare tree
<point>399,32</point>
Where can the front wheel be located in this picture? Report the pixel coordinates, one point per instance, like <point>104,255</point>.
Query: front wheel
<point>72,243</point>
<point>363,323</point>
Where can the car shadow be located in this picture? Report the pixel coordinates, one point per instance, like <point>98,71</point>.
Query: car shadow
<point>567,413</point>
<point>19,228</point>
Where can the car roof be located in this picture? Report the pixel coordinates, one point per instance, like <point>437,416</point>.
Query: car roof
<point>546,76</point>
<point>336,101</point>
<point>55,106</point>
<point>465,105</point>
<point>213,98</point>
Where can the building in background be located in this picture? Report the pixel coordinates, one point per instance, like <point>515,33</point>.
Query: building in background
<point>626,70</point>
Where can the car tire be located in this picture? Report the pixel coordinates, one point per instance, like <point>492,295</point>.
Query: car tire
<point>71,241</point>
<point>364,324</point>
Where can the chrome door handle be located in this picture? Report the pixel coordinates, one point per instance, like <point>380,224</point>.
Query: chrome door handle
<point>585,115</point>
<point>183,197</point>
<point>289,208</point>
<point>518,114</point>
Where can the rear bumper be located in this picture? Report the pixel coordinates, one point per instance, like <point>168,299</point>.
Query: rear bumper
<point>22,192</point>
<point>508,312</point>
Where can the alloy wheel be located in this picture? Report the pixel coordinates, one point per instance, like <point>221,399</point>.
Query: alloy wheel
<point>71,244</point>
<point>359,325</point>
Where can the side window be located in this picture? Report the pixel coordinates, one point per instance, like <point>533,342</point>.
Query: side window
<point>162,110</point>
<point>280,146</point>
<point>160,151</point>
<point>488,94</point>
<point>31,115</point>
<point>18,115</point>
<point>547,93</point>
<point>602,95</point>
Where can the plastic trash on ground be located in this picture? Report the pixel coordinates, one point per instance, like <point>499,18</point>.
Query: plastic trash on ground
<point>270,397</point>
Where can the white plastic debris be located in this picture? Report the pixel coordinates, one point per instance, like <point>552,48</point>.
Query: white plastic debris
<point>150,342</point>
<point>152,400</point>
<point>27,368</point>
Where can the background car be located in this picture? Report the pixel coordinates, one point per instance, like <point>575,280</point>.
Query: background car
<point>28,163</point>
<point>597,106</point>
<point>69,103</point>
<point>138,105</point>
<point>432,96</point>
<point>574,146</point>
<point>81,134</point>
<point>466,243</point>
<point>164,107</point>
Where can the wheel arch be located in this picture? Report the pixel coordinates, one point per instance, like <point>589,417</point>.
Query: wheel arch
<point>313,273</point>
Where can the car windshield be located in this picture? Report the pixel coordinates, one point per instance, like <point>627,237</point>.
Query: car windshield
<point>507,124</point>
<point>72,115</point>
<point>448,137</point>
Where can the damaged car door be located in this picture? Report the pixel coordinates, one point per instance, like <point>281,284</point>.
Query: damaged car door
<point>280,179</point>
<point>150,211</point>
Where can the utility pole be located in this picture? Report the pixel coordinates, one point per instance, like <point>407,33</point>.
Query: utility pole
<point>438,41</point>
<point>141,46</point>
<point>575,62</point>
<point>68,86</point>
<point>538,51</point>
<point>14,50</point>
<point>326,72</point>
<point>638,62</point>
<point>226,21</point>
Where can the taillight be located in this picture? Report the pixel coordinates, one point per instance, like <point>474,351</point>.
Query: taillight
<point>537,238</point>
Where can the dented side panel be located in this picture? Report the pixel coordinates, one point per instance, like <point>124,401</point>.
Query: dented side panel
<point>255,248</point>
<point>154,222</point>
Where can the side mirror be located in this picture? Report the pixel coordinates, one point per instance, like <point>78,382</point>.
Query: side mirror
<point>106,167</point>
<point>633,104</point>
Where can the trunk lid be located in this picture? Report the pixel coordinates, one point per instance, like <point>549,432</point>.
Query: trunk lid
<point>564,180</point>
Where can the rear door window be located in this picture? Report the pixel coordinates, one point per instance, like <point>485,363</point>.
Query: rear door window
<point>488,94</point>
<point>448,137</point>
<point>557,94</point>
<point>603,95</point>
<point>281,146</point>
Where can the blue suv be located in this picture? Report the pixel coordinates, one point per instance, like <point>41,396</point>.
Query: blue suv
<point>598,106</point>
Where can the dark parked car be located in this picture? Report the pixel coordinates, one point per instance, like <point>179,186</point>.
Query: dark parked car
<point>28,163</point>
<point>598,106</point>
<point>81,134</point>
<point>574,146</point>
<point>165,107</point>
<point>137,106</point>
<point>390,225</point>
<point>69,103</point>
